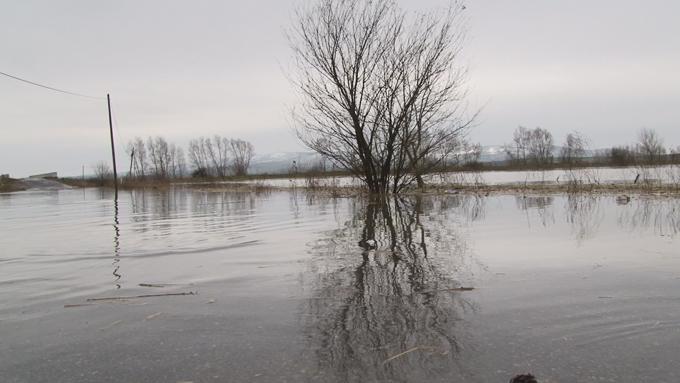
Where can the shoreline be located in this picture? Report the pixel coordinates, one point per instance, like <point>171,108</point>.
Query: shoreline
<point>258,184</point>
<point>670,190</point>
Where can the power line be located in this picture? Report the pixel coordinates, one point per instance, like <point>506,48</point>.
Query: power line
<point>116,126</point>
<point>49,87</point>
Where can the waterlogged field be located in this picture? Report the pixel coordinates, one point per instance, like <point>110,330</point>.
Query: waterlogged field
<point>192,286</point>
<point>667,176</point>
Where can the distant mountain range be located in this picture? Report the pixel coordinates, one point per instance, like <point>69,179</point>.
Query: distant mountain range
<point>282,162</point>
<point>493,153</point>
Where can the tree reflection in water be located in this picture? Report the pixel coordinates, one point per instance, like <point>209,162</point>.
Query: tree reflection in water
<point>584,213</point>
<point>541,204</point>
<point>657,213</point>
<point>587,212</point>
<point>382,285</point>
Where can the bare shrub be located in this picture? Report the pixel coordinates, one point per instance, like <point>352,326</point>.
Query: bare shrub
<point>571,155</point>
<point>103,173</point>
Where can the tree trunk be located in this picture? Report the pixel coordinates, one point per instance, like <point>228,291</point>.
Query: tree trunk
<point>420,182</point>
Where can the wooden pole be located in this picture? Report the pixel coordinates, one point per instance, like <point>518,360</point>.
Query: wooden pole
<point>132,161</point>
<point>113,148</point>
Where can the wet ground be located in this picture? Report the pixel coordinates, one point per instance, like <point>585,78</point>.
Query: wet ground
<point>293,287</point>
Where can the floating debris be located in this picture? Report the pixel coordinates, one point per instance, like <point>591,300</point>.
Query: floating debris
<point>111,325</point>
<point>622,199</point>
<point>524,378</point>
<point>449,289</point>
<point>460,289</point>
<point>155,315</point>
<point>140,296</point>
<point>410,350</point>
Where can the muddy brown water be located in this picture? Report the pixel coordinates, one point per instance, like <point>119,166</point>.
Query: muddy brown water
<point>294,287</point>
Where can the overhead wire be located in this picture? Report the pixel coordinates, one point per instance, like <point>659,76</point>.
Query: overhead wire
<point>61,91</point>
<point>116,126</point>
<point>50,88</point>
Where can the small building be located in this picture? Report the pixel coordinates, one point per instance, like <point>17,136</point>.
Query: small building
<point>45,175</point>
<point>4,176</point>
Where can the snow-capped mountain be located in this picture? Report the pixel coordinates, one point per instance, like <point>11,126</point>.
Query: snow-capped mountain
<point>493,153</point>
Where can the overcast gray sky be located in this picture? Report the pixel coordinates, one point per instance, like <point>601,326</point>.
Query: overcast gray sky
<point>182,69</point>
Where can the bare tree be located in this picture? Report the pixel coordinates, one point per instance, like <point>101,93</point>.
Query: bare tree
<point>541,146</point>
<point>137,151</point>
<point>175,159</point>
<point>210,156</point>
<point>242,152</point>
<point>519,148</point>
<point>180,164</point>
<point>381,94</point>
<point>160,156</point>
<point>530,145</point>
<point>473,152</point>
<point>102,172</point>
<point>650,145</point>
<point>574,148</point>
<point>467,154</point>
<point>198,156</point>
<point>157,158</point>
<point>218,153</point>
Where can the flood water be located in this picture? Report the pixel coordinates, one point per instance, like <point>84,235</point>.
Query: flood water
<point>668,175</point>
<point>295,287</point>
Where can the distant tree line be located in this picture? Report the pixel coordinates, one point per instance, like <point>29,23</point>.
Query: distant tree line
<point>217,157</point>
<point>535,147</point>
<point>157,159</point>
<point>648,149</point>
<point>220,156</point>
